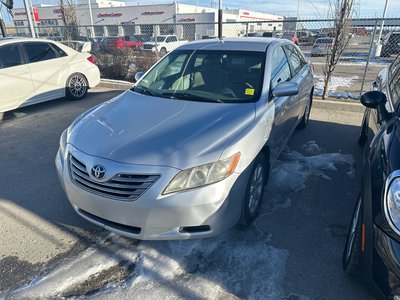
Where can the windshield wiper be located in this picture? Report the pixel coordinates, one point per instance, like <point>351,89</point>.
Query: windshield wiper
<point>143,91</point>
<point>187,96</point>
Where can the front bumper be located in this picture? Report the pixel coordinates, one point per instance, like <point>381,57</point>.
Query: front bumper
<point>209,210</point>
<point>386,264</point>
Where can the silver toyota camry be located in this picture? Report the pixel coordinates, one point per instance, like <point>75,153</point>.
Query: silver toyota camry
<point>186,152</point>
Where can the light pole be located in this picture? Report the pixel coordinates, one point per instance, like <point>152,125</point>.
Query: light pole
<point>220,20</point>
<point>383,21</point>
<point>297,16</point>
<point>28,11</point>
<point>91,19</point>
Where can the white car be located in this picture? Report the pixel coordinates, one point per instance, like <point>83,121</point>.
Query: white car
<point>38,70</point>
<point>164,43</point>
<point>322,46</point>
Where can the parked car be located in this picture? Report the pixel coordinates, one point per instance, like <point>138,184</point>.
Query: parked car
<point>322,46</point>
<point>186,152</point>
<point>291,37</point>
<point>112,43</point>
<point>306,36</point>
<point>254,34</point>
<point>37,70</point>
<point>142,37</point>
<point>372,250</point>
<point>391,44</point>
<point>163,44</point>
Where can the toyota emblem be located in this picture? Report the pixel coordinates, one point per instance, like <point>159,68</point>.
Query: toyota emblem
<point>98,172</point>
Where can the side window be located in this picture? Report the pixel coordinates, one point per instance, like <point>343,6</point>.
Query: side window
<point>168,40</point>
<point>295,58</point>
<point>173,39</point>
<point>60,51</point>
<point>10,56</point>
<point>280,68</point>
<point>39,52</point>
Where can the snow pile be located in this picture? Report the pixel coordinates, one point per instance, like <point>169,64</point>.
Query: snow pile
<point>336,82</point>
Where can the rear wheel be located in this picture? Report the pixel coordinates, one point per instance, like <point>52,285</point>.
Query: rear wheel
<point>351,259</point>
<point>76,86</point>
<point>255,190</point>
<point>163,51</point>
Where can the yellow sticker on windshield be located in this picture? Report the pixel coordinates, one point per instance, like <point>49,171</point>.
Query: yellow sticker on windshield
<point>249,92</point>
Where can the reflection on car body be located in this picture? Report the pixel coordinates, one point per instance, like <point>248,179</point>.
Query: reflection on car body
<point>186,152</point>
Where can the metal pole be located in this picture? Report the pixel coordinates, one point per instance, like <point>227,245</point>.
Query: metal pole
<point>383,21</point>
<point>28,11</point>
<point>220,20</point>
<point>297,16</point>
<point>369,57</point>
<point>91,19</point>
<point>2,25</point>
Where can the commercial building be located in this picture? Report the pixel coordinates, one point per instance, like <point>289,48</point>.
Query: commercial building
<point>112,18</point>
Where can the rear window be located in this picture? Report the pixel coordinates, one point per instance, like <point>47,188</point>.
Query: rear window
<point>324,41</point>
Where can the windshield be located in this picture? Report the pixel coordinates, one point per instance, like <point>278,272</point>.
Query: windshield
<point>205,75</point>
<point>160,39</point>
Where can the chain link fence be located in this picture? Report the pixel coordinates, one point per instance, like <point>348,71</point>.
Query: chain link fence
<point>122,50</point>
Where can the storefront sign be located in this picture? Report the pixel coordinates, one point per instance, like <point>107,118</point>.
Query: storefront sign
<point>109,15</point>
<point>152,13</point>
<point>187,20</point>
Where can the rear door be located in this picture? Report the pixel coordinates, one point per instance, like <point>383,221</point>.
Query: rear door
<point>47,65</point>
<point>282,122</point>
<point>301,74</point>
<point>15,79</point>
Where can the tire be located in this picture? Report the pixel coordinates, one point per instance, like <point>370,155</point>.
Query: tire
<point>163,51</point>
<point>255,189</point>
<point>306,116</point>
<point>351,259</point>
<point>76,86</point>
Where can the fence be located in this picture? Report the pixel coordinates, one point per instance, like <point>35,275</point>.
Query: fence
<point>366,53</point>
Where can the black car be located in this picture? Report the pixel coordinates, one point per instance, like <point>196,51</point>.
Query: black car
<point>372,250</point>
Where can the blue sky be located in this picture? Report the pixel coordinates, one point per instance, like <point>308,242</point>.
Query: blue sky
<point>308,8</point>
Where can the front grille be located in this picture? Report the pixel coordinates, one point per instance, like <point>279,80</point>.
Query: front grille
<point>122,186</point>
<point>148,47</point>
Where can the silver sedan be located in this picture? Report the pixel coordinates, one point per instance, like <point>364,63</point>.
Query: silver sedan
<point>186,152</point>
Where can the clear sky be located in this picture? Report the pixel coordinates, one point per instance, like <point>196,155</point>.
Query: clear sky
<point>308,8</point>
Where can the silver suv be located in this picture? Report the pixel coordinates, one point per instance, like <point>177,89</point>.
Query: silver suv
<point>186,152</point>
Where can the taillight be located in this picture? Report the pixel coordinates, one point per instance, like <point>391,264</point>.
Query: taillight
<point>91,59</point>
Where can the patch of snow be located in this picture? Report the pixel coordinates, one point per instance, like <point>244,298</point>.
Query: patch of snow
<point>311,147</point>
<point>336,82</point>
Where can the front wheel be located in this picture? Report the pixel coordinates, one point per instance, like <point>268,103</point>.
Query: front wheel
<point>306,116</point>
<point>351,259</point>
<point>163,51</point>
<point>76,86</point>
<point>255,190</point>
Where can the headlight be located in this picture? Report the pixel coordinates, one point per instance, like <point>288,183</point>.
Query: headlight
<point>203,175</point>
<point>392,203</point>
<point>63,142</point>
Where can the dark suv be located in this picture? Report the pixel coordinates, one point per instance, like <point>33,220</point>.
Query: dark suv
<point>372,249</point>
<point>391,44</point>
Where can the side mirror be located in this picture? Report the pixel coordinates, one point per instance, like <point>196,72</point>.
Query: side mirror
<point>86,47</point>
<point>373,99</point>
<point>286,89</point>
<point>138,75</point>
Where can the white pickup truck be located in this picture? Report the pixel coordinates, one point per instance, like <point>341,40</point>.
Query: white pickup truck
<point>163,43</point>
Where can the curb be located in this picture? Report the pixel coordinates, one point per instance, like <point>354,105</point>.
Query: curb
<point>338,105</point>
<point>322,104</point>
<point>115,84</point>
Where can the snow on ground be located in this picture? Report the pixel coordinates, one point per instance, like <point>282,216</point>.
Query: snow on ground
<point>336,82</point>
<point>241,263</point>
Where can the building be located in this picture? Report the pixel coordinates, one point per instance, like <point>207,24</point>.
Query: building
<point>114,18</point>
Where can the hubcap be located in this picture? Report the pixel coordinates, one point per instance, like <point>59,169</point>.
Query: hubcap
<point>77,86</point>
<point>353,229</point>
<point>256,187</point>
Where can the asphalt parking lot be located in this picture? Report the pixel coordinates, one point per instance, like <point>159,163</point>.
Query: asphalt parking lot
<point>292,251</point>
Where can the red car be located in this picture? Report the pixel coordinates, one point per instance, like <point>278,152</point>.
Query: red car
<point>121,42</point>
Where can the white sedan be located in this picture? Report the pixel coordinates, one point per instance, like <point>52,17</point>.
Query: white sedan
<point>38,70</point>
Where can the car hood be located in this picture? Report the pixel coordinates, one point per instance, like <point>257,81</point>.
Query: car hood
<point>138,129</point>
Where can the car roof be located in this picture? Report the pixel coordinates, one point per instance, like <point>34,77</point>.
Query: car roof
<point>10,40</point>
<point>257,44</point>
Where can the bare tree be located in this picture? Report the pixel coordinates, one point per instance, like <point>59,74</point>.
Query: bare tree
<point>69,18</point>
<point>341,12</point>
